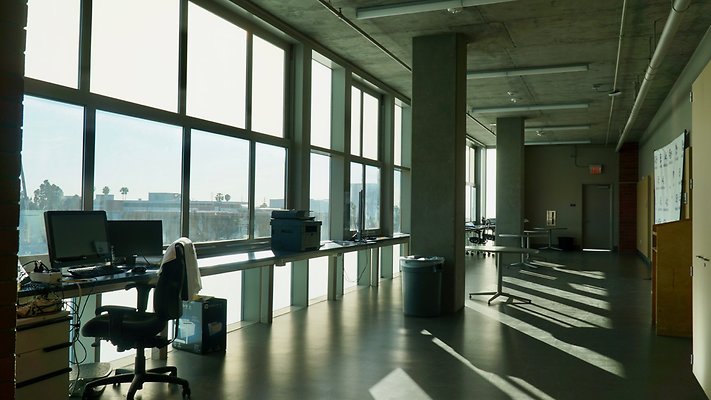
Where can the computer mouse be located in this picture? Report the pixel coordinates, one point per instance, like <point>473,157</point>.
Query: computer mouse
<point>138,269</point>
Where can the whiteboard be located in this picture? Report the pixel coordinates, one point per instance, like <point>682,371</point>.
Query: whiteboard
<point>668,175</point>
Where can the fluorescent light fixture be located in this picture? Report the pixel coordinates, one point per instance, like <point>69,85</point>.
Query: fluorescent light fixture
<point>413,7</point>
<point>551,69</point>
<point>555,128</point>
<point>541,143</point>
<point>533,107</point>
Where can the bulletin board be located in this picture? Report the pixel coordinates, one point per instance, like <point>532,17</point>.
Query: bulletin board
<point>668,176</point>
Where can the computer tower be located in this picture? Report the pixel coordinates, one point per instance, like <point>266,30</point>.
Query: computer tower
<point>203,326</point>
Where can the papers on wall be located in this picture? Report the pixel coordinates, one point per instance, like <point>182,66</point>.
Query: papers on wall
<point>668,171</point>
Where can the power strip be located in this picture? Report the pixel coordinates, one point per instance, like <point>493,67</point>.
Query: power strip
<point>46,277</point>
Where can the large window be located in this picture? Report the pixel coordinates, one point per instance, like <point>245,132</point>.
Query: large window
<point>269,186</point>
<point>320,104</point>
<point>397,201</point>
<point>471,184</point>
<point>372,197</point>
<point>282,286</point>
<point>319,202</point>
<point>318,278</point>
<point>136,61</point>
<point>364,124</point>
<point>366,178</point>
<point>490,183</point>
<point>267,88</point>
<point>219,187</point>
<point>397,135</point>
<point>137,176</point>
<point>217,68</point>
<point>52,49</point>
<point>51,167</point>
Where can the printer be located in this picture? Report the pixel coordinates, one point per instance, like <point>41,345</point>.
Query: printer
<point>295,230</point>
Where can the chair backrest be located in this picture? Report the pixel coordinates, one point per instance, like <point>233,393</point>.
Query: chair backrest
<point>171,288</point>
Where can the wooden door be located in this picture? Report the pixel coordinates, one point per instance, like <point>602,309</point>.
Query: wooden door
<point>701,230</point>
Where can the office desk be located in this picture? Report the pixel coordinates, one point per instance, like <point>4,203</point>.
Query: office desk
<point>498,250</point>
<point>525,244</point>
<point>257,266</point>
<point>550,230</point>
<point>74,287</point>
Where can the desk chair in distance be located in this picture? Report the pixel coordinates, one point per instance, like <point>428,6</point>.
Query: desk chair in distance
<point>128,327</point>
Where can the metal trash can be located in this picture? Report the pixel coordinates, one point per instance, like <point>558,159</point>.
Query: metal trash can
<point>422,285</point>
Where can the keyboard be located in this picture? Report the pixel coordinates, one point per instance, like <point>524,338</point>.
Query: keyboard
<point>94,271</point>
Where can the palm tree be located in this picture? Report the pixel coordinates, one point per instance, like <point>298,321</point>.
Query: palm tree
<point>227,197</point>
<point>124,192</point>
<point>105,190</point>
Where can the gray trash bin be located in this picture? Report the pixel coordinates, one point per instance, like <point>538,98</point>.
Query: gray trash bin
<point>422,285</point>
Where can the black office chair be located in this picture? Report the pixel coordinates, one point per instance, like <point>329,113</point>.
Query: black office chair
<point>134,328</point>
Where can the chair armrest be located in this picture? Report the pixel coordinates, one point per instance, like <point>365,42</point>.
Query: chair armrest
<point>143,290</point>
<point>114,310</point>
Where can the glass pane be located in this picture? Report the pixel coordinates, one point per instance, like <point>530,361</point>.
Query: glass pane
<point>217,68</point>
<point>226,286</point>
<point>397,216</point>
<point>355,121</point>
<point>136,61</point>
<point>48,128</point>
<point>318,277</point>
<point>282,287</point>
<point>372,197</point>
<point>219,187</point>
<point>468,203</point>
<point>319,195</point>
<point>396,260</point>
<point>397,144</point>
<point>52,48</point>
<point>269,186</point>
<point>137,176</point>
<point>370,126</point>
<point>320,105</point>
<point>490,183</point>
<point>356,187</point>
<point>350,270</point>
<point>267,88</point>
<point>109,352</point>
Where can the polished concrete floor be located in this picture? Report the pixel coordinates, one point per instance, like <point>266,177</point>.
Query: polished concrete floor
<point>586,335</point>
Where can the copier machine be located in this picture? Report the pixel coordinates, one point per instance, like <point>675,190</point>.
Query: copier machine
<point>295,230</point>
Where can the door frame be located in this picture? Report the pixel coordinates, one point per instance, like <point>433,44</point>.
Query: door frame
<point>610,200</point>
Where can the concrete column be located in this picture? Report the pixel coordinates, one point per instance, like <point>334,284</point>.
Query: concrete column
<point>438,162</point>
<point>509,180</point>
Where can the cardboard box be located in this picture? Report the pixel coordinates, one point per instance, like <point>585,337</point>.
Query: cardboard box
<point>203,326</point>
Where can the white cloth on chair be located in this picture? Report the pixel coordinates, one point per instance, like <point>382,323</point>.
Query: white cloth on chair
<point>191,264</point>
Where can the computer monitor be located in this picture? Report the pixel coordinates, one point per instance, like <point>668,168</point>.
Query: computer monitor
<point>135,238</point>
<point>77,238</point>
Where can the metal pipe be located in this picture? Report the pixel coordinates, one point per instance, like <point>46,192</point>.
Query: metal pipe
<point>617,69</point>
<point>665,40</point>
<point>480,124</point>
<point>369,38</point>
<point>418,6</point>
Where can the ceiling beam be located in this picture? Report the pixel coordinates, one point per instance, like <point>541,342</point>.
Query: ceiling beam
<point>413,7</point>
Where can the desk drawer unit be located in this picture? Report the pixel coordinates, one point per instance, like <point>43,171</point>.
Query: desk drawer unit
<point>42,358</point>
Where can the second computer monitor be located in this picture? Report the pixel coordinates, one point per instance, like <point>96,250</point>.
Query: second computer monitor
<point>135,239</point>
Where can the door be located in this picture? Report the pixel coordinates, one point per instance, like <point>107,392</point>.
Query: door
<point>701,230</point>
<point>597,217</point>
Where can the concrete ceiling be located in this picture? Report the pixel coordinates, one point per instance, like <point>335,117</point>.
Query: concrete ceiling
<point>520,34</point>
